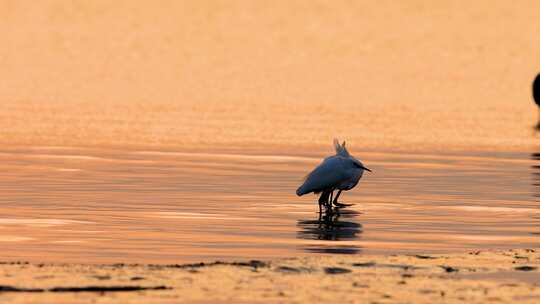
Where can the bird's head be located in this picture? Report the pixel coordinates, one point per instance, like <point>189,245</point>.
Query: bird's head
<point>359,165</point>
<point>340,148</point>
<point>342,151</point>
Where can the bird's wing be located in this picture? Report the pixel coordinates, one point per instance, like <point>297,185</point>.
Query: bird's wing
<point>328,174</point>
<point>323,162</point>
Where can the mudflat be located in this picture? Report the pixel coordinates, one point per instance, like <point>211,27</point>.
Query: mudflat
<point>472,277</point>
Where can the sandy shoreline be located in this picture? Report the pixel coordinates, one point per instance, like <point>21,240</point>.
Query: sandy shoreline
<point>473,277</point>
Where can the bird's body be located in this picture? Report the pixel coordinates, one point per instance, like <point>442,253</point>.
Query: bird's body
<point>536,96</point>
<point>337,172</point>
<point>536,89</point>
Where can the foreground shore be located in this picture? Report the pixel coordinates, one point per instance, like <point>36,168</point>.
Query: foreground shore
<point>473,277</point>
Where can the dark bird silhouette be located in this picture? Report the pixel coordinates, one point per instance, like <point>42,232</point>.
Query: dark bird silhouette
<point>339,172</point>
<point>536,96</point>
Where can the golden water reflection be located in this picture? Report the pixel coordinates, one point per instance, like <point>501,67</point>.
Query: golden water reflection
<point>103,206</point>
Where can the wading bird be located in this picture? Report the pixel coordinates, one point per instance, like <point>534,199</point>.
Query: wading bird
<point>536,96</point>
<point>337,172</point>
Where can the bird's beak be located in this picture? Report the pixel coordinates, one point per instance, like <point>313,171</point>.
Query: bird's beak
<point>365,168</point>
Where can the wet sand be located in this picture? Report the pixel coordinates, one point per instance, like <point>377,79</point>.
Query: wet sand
<point>474,277</point>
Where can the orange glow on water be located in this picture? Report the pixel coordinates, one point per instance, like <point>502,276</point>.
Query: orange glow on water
<point>136,132</point>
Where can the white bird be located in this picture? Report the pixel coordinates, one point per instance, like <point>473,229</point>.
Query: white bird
<point>337,172</point>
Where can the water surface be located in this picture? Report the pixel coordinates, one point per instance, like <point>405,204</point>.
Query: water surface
<point>87,205</point>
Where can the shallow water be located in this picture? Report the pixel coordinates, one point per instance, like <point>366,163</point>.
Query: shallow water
<point>103,205</point>
<point>267,86</point>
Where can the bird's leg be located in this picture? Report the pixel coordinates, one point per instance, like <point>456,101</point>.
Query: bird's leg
<point>337,204</point>
<point>323,199</point>
<point>328,203</point>
<point>329,200</point>
<point>337,196</point>
<point>331,195</point>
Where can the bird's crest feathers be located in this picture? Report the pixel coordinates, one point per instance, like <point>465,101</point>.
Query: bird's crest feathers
<point>340,148</point>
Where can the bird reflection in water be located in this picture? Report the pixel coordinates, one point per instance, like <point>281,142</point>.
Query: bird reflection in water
<point>331,227</point>
<point>536,178</point>
<point>536,171</point>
